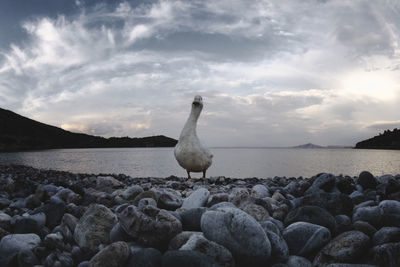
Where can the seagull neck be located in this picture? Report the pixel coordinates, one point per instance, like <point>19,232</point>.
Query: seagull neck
<point>191,123</point>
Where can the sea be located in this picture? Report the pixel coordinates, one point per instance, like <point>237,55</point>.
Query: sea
<point>228,162</point>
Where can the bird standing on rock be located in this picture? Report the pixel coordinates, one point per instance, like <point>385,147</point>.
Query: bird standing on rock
<point>189,152</point>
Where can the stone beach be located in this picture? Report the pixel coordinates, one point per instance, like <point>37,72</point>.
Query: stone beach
<point>52,218</point>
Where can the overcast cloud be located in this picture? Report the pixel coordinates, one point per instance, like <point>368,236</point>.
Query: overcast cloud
<point>271,73</point>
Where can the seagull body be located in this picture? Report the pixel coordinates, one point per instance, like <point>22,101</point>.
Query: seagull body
<point>189,152</point>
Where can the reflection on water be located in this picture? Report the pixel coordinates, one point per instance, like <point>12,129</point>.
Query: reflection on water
<point>229,162</point>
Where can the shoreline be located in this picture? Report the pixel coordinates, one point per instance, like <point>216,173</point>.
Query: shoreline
<point>78,219</point>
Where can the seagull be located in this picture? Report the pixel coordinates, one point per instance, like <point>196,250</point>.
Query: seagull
<point>189,152</point>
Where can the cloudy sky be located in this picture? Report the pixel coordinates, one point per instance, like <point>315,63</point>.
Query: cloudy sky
<point>271,73</point>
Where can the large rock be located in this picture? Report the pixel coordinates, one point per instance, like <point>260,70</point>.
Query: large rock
<point>311,214</point>
<point>108,181</point>
<point>213,250</point>
<point>387,254</point>
<point>239,232</point>
<point>54,211</point>
<point>346,247</point>
<point>169,200</point>
<point>297,261</point>
<point>371,215</point>
<point>94,226</point>
<point>324,182</point>
<point>196,199</point>
<point>256,211</point>
<point>279,248</point>
<point>366,180</point>
<point>149,226</point>
<point>304,238</point>
<point>191,218</point>
<point>335,203</point>
<point>390,212</point>
<point>131,192</point>
<point>10,245</point>
<point>113,255</point>
<point>386,235</point>
<point>260,191</point>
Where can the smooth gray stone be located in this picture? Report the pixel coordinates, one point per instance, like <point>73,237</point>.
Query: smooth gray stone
<point>386,235</point>
<point>260,191</point>
<point>311,214</point>
<point>371,215</point>
<point>170,200</point>
<point>364,227</point>
<point>146,201</point>
<point>350,265</point>
<point>217,198</point>
<point>131,192</point>
<point>191,218</point>
<point>390,212</point>
<point>196,199</point>
<point>386,254</point>
<point>269,226</point>
<point>11,244</point>
<point>256,211</point>
<point>304,238</point>
<point>346,247</point>
<point>211,249</point>
<point>367,180</point>
<point>118,234</point>
<point>297,261</point>
<point>26,257</point>
<point>279,248</point>
<point>239,232</point>
<point>343,223</point>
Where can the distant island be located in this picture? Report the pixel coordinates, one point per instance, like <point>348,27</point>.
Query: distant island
<point>18,133</point>
<point>310,145</point>
<point>389,139</point>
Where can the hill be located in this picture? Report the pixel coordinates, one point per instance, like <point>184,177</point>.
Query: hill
<point>386,140</point>
<point>21,133</point>
<point>309,145</point>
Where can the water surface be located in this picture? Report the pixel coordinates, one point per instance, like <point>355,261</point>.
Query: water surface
<point>229,162</point>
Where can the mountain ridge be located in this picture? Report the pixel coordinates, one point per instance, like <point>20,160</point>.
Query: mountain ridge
<point>389,139</point>
<point>19,133</point>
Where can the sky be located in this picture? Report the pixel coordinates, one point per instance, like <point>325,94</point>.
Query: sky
<point>271,73</point>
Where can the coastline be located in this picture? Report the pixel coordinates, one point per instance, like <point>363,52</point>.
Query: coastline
<point>80,219</point>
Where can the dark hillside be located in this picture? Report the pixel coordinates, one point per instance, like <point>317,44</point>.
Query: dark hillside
<point>20,133</point>
<point>388,140</point>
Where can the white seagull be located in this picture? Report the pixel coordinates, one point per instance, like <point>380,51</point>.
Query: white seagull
<point>189,152</point>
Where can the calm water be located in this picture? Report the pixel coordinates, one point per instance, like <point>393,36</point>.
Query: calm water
<point>229,162</point>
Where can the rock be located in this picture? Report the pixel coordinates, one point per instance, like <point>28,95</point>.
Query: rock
<point>239,232</point>
<point>196,199</point>
<point>371,215</point>
<point>278,196</point>
<point>237,195</point>
<point>386,235</point>
<point>191,218</point>
<point>387,254</point>
<point>324,182</point>
<point>217,198</point>
<point>146,201</point>
<point>146,257</point>
<point>311,214</point>
<point>343,223</point>
<point>256,211</point>
<point>279,248</point>
<point>335,203</point>
<point>113,255</point>
<point>260,191</point>
<point>180,239</point>
<point>10,245</point>
<point>118,234</point>
<point>5,220</point>
<point>349,265</point>
<point>54,211</point>
<point>108,181</point>
<point>26,257</point>
<point>345,185</point>
<point>54,241</point>
<point>304,238</point>
<point>364,227</point>
<point>169,201</point>
<point>297,261</point>
<point>366,180</point>
<point>131,192</point>
<point>222,205</point>
<point>94,226</point>
<point>218,253</point>
<point>59,259</point>
<point>184,258</point>
<point>70,221</point>
<point>28,224</point>
<point>357,197</point>
<point>390,212</point>
<point>346,247</point>
<point>32,201</point>
<point>269,226</point>
<point>145,194</point>
<point>149,226</point>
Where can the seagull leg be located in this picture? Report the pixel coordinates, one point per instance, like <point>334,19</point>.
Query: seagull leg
<point>188,172</point>
<point>204,174</point>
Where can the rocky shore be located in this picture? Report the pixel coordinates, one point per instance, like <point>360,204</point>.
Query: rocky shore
<point>52,218</point>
